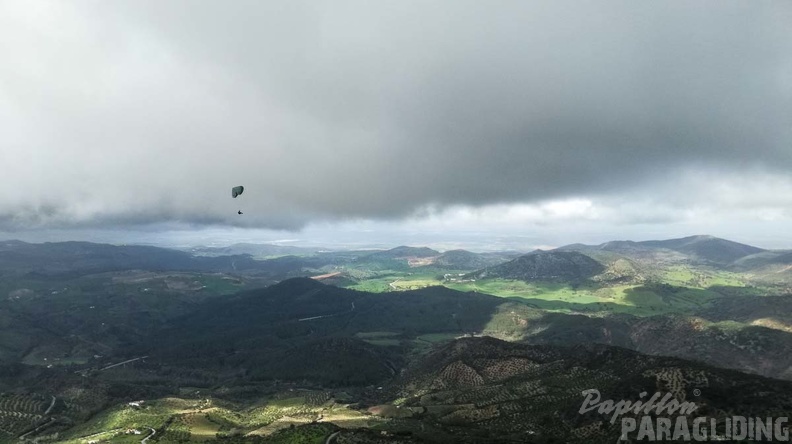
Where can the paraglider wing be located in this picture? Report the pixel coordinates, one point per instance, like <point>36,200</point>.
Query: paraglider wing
<point>236,191</point>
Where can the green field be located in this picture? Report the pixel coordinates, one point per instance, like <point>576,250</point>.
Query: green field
<point>700,278</point>
<point>397,281</point>
<point>681,291</point>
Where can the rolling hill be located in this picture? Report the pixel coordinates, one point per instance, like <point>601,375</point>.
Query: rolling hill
<point>707,248</point>
<point>545,266</point>
<point>466,260</point>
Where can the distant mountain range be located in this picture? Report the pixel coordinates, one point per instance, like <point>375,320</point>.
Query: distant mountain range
<point>403,252</point>
<point>702,248</point>
<point>623,261</point>
<point>770,267</point>
<point>80,258</point>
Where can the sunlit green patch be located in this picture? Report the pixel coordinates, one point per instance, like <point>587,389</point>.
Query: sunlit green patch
<point>700,277</point>
<point>412,284</point>
<point>639,300</point>
<point>122,417</point>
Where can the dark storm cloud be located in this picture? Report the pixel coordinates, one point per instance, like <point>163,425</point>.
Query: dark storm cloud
<point>150,111</point>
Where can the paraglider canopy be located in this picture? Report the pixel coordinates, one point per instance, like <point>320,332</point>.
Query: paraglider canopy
<point>236,191</point>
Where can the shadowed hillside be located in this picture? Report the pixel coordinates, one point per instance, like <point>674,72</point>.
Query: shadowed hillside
<point>255,330</point>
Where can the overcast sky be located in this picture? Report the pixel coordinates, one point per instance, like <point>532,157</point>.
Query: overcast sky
<point>445,122</point>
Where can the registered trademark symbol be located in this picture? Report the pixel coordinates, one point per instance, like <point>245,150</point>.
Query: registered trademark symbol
<point>696,392</point>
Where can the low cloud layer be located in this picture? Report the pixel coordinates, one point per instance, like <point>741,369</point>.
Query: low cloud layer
<point>121,114</point>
